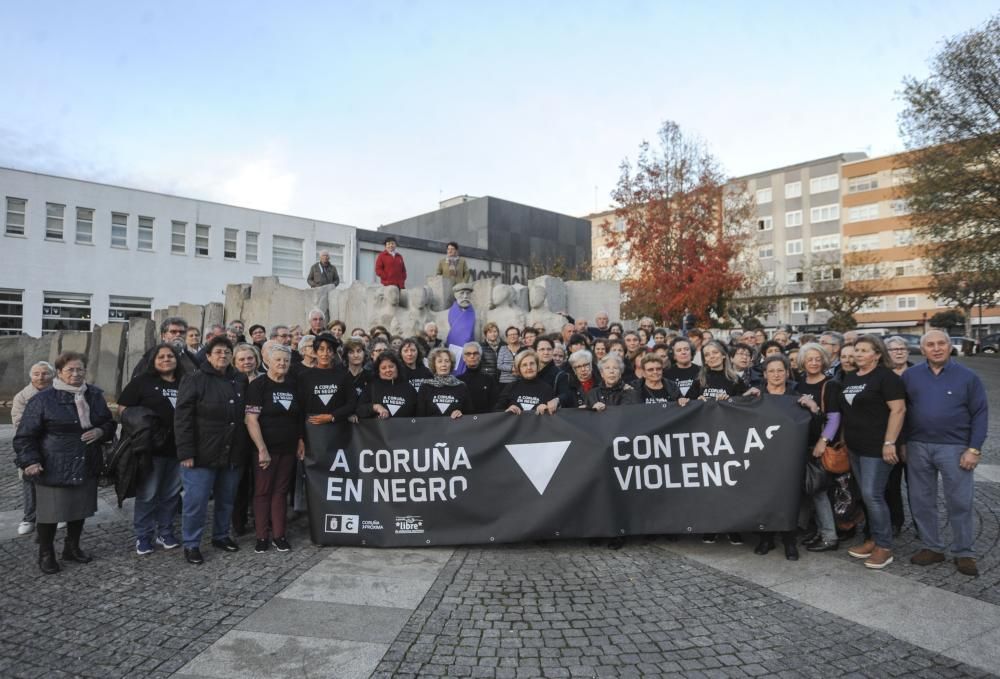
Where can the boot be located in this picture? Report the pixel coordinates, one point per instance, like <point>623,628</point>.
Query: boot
<point>72,552</point>
<point>47,561</point>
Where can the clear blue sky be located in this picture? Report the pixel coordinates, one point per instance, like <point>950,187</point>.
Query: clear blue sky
<point>368,112</point>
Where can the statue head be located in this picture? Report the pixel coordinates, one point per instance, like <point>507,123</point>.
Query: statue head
<point>387,295</point>
<point>502,295</point>
<point>417,298</point>
<point>536,296</point>
<point>463,295</point>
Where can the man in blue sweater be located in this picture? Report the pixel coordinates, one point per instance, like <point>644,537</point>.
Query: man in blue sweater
<point>946,420</point>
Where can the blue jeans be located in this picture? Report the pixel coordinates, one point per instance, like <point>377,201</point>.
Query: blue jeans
<point>200,483</point>
<point>872,474</point>
<point>824,516</point>
<point>28,494</point>
<point>156,499</point>
<point>925,462</point>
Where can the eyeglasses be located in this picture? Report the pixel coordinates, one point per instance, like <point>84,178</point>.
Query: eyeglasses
<point>75,371</point>
<point>470,353</point>
<point>898,349</point>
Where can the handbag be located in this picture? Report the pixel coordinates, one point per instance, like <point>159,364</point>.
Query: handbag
<point>816,478</point>
<point>835,459</point>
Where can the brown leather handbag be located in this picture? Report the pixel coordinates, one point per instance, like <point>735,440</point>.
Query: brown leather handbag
<point>835,459</point>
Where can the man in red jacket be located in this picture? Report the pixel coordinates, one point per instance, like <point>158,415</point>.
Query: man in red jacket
<point>389,265</point>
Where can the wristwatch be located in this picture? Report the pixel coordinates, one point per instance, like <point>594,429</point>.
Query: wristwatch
<point>889,443</point>
<point>824,439</point>
<point>975,451</point>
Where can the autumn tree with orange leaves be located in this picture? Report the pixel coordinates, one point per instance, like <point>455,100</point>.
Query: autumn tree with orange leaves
<point>683,230</point>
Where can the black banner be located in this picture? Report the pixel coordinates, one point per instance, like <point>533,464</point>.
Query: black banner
<point>707,467</point>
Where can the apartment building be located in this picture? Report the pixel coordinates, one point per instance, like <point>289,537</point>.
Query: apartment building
<point>603,260</point>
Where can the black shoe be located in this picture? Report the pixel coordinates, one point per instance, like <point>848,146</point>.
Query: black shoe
<point>708,538</point>
<point>809,536</point>
<point>616,543</point>
<point>226,544</point>
<point>47,563</point>
<point>823,546</point>
<point>815,540</point>
<point>763,547</point>
<point>263,546</point>
<point>194,556</point>
<point>791,551</point>
<point>72,552</point>
<point>735,539</point>
<point>281,544</point>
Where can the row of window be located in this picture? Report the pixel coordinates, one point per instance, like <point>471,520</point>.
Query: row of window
<point>817,215</point>
<point>903,303</point>
<point>286,252</point>
<point>829,182</point>
<point>876,270</point>
<point>795,247</point>
<point>68,311</point>
<point>873,241</point>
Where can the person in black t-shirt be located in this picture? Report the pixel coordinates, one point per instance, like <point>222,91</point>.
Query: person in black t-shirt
<point>683,373</point>
<point>354,359</point>
<point>157,491</point>
<point>413,369</point>
<point>326,393</point>
<point>444,394</point>
<point>483,387</point>
<point>873,404</point>
<point>528,393</point>
<point>718,379</point>
<point>653,388</point>
<point>274,422</point>
<point>388,394</point>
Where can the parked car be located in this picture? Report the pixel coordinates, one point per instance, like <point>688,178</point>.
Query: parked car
<point>990,344</point>
<point>963,346</point>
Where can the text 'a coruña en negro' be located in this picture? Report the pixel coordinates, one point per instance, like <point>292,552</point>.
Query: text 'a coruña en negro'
<point>438,459</point>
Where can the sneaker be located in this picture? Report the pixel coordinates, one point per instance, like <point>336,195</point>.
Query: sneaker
<point>880,558</point>
<point>926,557</point>
<point>25,527</point>
<point>966,565</point>
<point>168,542</point>
<point>194,556</point>
<point>735,539</point>
<point>281,544</point>
<point>226,544</point>
<point>143,546</point>
<point>862,551</point>
<point>262,546</point>
<point>708,538</point>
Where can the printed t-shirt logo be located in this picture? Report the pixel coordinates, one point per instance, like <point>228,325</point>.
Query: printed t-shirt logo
<point>283,398</point>
<point>527,402</point>
<point>443,401</point>
<point>852,391</point>
<point>170,395</point>
<point>684,386</point>
<point>324,392</point>
<point>393,403</point>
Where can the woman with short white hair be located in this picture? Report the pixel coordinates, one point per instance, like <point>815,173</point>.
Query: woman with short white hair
<point>41,375</point>
<point>613,391</point>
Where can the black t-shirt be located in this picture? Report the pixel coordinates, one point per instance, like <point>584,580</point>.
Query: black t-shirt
<point>160,396</point>
<point>525,394</point>
<point>398,397</point>
<point>327,391</point>
<point>279,413</point>
<point>433,401</point>
<point>483,390</point>
<point>865,413</point>
<point>686,380</point>
<point>666,394</point>
<point>416,375</point>
<point>359,381</point>
<point>830,402</point>
<point>718,385</point>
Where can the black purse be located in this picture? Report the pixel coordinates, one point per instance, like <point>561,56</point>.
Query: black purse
<point>816,478</point>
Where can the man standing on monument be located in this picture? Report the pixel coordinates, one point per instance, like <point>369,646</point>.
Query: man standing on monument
<point>322,272</point>
<point>389,265</point>
<point>454,267</point>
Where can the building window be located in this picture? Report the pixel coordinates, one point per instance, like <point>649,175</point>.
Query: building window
<point>84,225</point>
<point>178,237</point>
<point>54,217</point>
<point>826,273</point>
<point>863,213</point>
<point>900,207</point>
<point>793,218</point>
<point>16,208</point>
<point>793,247</point>
<point>902,176</point>
<point>336,254</point>
<point>763,196</point>
<point>825,243</point>
<point>864,272</point>
<point>800,305</point>
<point>229,244</point>
<point>874,304</point>
<point>120,308</point>
<point>906,302</point>
<point>768,278</point>
<point>250,248</point>
<point>765,223</point>
<point>793,189</point>
<point>201,239</point>
<point>829,182</point>
<point>824,213</point>
<point>146,233</point>
<point>860,243</point>
<point>65,311</point>
<point>902,237</point>
<point>863,183</point>
<point>286,256</point>
<point>910,267</point>
<point>765,251</point>
<point>11,312</point>
<point>794,276</point>
<point>119,230</point>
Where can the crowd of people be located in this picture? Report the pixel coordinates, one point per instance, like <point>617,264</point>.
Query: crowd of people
<point>229,417</point>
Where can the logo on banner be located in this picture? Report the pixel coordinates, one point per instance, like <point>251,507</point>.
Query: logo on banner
<point>539,461</point>
<point>341,523</point>
<point>371,524</point>
<point>409,525</point>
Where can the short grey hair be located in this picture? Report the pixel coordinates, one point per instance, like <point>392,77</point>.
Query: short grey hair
<point>306,341</point>
<point>45,364</point>
<point>324,252</point>
<point>927,334</point>
<point>474,345</point>
<point>275,329</point>
<point>611,357</point>
<point>896,339</point>
<point>580,355</point>
<point>279,349</point>
<point>824,356</point>
<point>836,336</point>
<point>316,312</point>
<point>172,320</point>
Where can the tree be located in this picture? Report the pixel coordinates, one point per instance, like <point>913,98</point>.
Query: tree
<point>683,226</point>
<point>952,318</point>
<point>951,124</point>
<point>830,290</point>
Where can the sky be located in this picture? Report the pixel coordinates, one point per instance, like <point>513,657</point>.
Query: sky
<point>365,113</point>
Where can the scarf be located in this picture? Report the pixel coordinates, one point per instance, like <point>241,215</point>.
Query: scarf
<point>452,265</point>
<point>79,400</point>
<point>444,381</point>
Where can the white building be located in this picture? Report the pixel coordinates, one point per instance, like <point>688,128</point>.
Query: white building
<point>76,253</point>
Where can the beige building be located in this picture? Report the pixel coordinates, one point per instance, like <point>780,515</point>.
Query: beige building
<point>603,266</point>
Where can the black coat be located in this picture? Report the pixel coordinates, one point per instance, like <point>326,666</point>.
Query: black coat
<point>50,432</point>
<point>573,395</point>
<point>619,395</point>
<point>132,458</point>
<point>208,419</point>
<point>484,390</point>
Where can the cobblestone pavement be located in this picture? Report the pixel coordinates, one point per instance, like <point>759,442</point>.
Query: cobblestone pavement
<point>572,610</point>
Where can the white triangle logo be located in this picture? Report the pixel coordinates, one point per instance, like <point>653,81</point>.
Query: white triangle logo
<point>173,401</point>
<point>442,407</point>
<point>325,398</point>
<point>684,390</point>
<point>850,398</point>
<point>539,460</point>
<point>526,407</point>
<point>393,408</point>
<point>286,404</point>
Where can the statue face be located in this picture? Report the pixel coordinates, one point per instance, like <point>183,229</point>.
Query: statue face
<point>464,298</point>
<point>501,295</point>
<point>536,296</point>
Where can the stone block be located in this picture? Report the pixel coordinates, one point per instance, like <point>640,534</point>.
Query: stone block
<point>194,314</point>
<point>214,314</point>
<point>13,376</point>
<point>555,292</point>
<point>141,337</point>
<point>520,296</point>
<point>94,353</point>
<point>271,303</point>
<point>586,298</point>
<point>236,295</point>
<point>36,350</point>
<point>173,310</point>
<point>440,293</point>
<point>482,294</point>
<point>111,345</point>
<point>74,340</point>
<point>159,316</point>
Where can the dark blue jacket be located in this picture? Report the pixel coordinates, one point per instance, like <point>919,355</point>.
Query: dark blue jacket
<point>208,418</point>
<point>50,435</point>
